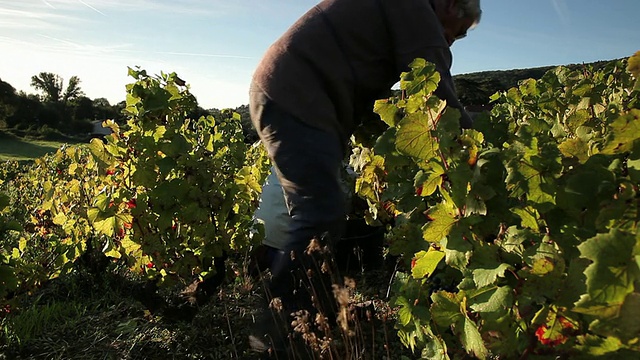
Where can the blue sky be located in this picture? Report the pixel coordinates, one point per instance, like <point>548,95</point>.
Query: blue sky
<point>216,44</point>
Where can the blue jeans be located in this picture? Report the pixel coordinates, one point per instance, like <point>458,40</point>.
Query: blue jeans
<point>308,163</point>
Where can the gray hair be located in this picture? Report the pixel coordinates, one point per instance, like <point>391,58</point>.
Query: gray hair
<point>469,9</point>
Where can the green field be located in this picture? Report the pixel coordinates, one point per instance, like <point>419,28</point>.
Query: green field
<point>13,148</point>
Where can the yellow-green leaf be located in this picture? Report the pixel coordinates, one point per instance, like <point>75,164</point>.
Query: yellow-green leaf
<point>387,111</point>
<point>442,219</point>
<point>414,137</point>
<point>633,66</point>
<point>575,147</point>
<point>60,219</point>
<point>426,263</point>
<point>624,131</point>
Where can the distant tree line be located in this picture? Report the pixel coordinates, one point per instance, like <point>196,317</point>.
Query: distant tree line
<point>475,89</point>
<point>57,108</point>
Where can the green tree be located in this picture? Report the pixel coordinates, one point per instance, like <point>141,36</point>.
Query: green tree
<point>103,110</point>
<point>53,115</point>
<point>51,86</point>
<point>101,102</point>
<point>8,101</point>
<point>26,111</point>
<point>83,109</point>
<point>73,90</point>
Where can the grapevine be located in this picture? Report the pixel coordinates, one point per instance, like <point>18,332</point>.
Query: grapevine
<point>518,236</point>
<point>163,195</point>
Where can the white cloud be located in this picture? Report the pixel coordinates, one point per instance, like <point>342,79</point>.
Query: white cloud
<point>23,19</point>
<point>48,4</point>
<point>562,11</point>
<point>105,7</point>
<point>92,8</point>
<point>41,14</point>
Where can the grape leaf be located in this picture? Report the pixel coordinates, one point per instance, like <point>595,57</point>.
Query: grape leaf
<point>435,348</point>
<point>423,78</point>
<point>600,346</point>
<point>626,325</point>
<point>611,276</point>
<point>492,299</point>
<point>404,310</point>
<point>487,276</point>
<point>472,340</point>
<point>428,181</point>
<point>575,147</point>
<point>633,66</point>
<point>445,309</point>
<point>442,221</point>
<point>387,110</point>
<point>457,251</point>
<point>624,131</point>
<point>414,137</point>
<point>426,263</point>
<point>528,217</point>
<point>528,174</point>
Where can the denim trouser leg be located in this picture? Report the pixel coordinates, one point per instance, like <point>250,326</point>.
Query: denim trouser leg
<point>308,162</point>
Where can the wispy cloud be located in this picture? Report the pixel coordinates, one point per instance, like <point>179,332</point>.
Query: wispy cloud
<point>42,15</point>
<point>193,7</point>
<point>53,25</point>
<point>203,55</point>
<point>92,8</point>
<point>47,14</point>
<point>121,50</point>
<point>67,46</point>
<point>562,11</point>
<point>48,4</point>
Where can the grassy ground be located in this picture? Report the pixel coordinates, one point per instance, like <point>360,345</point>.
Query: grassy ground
<point>20,149</point>
<point>82,316</point>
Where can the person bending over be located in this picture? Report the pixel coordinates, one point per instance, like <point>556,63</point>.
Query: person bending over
<point>311,89</point>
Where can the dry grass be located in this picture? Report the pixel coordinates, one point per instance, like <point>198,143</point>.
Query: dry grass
<point>83,317</point>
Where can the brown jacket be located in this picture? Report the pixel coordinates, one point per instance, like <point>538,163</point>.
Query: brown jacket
<point>342,55</point>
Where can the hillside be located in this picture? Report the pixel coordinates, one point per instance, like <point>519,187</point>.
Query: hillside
<point>476,88</point>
